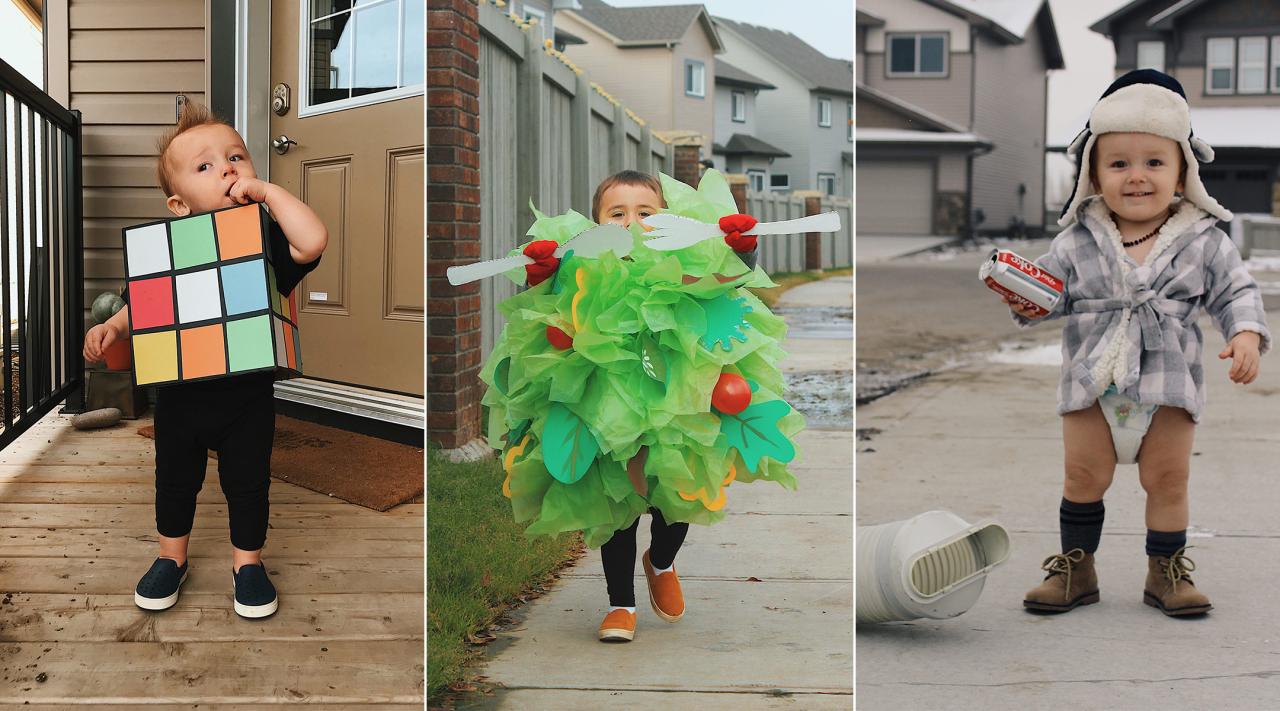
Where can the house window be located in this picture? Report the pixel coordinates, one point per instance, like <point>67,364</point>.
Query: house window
<point>1275,64</point>
<point>827,183</point>
<point>1220,65</point>
<point>779,181</point>
<point>533,14</point>
<point>360,55</point>
<point>755,180</point>
<point>695,75</point>
<point>849,105</point>
<point>824,113</point>
<point>917,55</point>
<point>739,106</point>
<point>1151,55</point>
<point>1253,65</point>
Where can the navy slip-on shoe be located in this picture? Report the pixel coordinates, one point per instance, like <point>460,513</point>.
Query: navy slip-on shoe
<point>158,589</point>
<point>255,596</point>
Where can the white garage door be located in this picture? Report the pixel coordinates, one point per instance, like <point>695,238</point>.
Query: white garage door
<point>895,197</point>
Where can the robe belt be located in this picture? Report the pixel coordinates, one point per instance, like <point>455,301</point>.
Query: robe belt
<point>1148,308</point>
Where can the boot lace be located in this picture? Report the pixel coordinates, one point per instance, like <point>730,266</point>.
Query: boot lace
<point>1063,564</point>
<point>1178,567</point>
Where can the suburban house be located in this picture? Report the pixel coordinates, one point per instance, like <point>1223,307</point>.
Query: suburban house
<point>356,156</point>
<point>809,114</point>
<point>659,61</point>
<point>736,148</point>
<point>940,148</point>
<point>542,13</point>
<point>1226,55</point>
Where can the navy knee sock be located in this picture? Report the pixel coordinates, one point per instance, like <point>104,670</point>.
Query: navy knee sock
<point>1165,543</point>
<point>1080,525</point>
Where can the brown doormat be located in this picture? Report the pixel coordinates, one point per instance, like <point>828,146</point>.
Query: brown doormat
<point>363,470</point>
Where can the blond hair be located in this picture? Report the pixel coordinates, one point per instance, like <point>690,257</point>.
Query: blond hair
<point>626,177</point>
<point>192,116</point>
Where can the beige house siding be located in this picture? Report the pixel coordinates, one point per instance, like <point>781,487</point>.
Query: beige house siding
<point>872,115</point>
<point>950,97</point>
<point>691,113</point>
<point>1010,75</point>
<point>121,64</point>
<point>639,78</point>
<point>912,16</point>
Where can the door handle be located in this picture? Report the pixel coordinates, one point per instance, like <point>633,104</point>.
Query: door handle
<point>281,144</point>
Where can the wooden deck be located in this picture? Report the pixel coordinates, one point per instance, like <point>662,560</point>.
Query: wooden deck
<point>77,530</point>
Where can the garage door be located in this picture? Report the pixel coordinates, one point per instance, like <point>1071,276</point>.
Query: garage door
<point>895,197</point>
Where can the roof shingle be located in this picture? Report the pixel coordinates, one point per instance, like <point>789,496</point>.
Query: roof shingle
<point>821,71</point>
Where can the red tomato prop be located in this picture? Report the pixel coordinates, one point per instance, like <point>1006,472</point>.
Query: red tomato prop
<point>731,395</point>
<point>559,338</point>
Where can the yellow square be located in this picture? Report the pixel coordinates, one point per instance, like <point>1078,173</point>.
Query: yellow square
<point>155,357</point>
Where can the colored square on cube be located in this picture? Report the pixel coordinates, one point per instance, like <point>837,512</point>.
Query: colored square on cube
<point>239,231</point>
<point>274,292</point>
<point>203,354</point>
<point>155,357</point>
<point>249,343</point>
<point>279,326</point>
<point>151,302</point>
<point>297,350</point>
<point>243,287</point>
<point>198,297</point>
<point>192,239</point>
<point>147,248</point>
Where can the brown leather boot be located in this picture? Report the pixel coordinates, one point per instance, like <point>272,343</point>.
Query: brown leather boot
<point>1072,581</point>
<point>1169,586</point>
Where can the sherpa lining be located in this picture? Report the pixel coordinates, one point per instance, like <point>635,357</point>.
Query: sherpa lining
<point>1113,362</point>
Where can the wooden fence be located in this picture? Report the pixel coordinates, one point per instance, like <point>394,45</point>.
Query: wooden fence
<point>547,135</point>
<point>785,253</point>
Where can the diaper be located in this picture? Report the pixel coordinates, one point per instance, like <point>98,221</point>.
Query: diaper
<point>1129,420</point>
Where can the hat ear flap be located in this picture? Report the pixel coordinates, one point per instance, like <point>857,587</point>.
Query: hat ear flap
<point>1201,150</point>
<point>1077,144</point>
<point>1078,147</point>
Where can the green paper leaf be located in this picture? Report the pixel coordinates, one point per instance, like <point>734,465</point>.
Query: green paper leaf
<point>652,360</point>
<point>513,437</point>
<point>726,321</point>
<point>568,447</point>
<point>501,374</point>
<point>557,279</point>
<point>754,433</point>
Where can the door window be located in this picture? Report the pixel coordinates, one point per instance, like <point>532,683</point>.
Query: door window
<point>360,52</point>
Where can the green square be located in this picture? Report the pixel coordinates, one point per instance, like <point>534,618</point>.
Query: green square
<point>193,241</point>
<point>249,344</point>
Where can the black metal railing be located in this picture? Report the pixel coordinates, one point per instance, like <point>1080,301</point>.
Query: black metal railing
<point>41,255</point>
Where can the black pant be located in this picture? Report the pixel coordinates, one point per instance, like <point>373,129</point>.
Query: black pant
<point>619,555</point>
<point>234,417</point>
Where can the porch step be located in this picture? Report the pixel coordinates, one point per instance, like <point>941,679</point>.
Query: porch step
<point>392,408</point>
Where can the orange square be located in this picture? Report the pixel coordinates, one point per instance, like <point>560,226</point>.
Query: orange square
<point>239,232</point>
<point>290,357</point>
<point>203,353</point>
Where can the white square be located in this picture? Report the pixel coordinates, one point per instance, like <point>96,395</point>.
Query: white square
<point>148,249</point>
<point>199,297</point>
<point>282,360</point>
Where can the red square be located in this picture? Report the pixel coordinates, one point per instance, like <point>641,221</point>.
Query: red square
<point>151,302</point>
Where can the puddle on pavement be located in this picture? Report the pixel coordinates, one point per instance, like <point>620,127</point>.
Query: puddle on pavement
<point>825,398</point>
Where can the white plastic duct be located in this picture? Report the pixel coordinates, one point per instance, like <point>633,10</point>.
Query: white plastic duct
<point>932,565</point>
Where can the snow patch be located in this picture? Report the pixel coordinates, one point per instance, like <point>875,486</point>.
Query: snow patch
<point>1021,354</point>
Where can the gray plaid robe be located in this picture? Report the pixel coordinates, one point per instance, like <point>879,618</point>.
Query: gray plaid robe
<point>1195,265</point>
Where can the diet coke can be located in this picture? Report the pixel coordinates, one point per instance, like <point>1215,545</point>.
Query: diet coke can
<point>1021,281</point>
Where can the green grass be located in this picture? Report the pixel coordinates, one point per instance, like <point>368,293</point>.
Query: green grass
<point>786,280</point>
<point>478,562</point>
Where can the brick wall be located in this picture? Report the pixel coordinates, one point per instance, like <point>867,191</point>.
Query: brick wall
<point>686,168</point>
<point>453,221</point>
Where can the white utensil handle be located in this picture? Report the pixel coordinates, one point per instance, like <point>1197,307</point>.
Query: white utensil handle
<point>481,270</point>
<point>825,222</point>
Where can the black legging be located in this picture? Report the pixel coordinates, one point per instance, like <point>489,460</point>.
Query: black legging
<point>619,555</point>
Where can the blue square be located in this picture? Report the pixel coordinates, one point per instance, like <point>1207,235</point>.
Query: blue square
<point>244,287</point>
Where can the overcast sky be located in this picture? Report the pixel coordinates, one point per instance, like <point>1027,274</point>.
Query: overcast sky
<point>20,43</point>
<point>1090,62</point>
<point>827,25</point>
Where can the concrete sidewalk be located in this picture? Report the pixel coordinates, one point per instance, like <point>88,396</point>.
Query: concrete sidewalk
<point>983,441</point>
<point>769,594</point>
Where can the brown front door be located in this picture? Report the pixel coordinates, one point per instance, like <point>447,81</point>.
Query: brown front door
<point>356,119</point>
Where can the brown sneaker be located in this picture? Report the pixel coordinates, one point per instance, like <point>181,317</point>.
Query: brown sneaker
<point>1071,582</point>
<point>1169,586</point>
